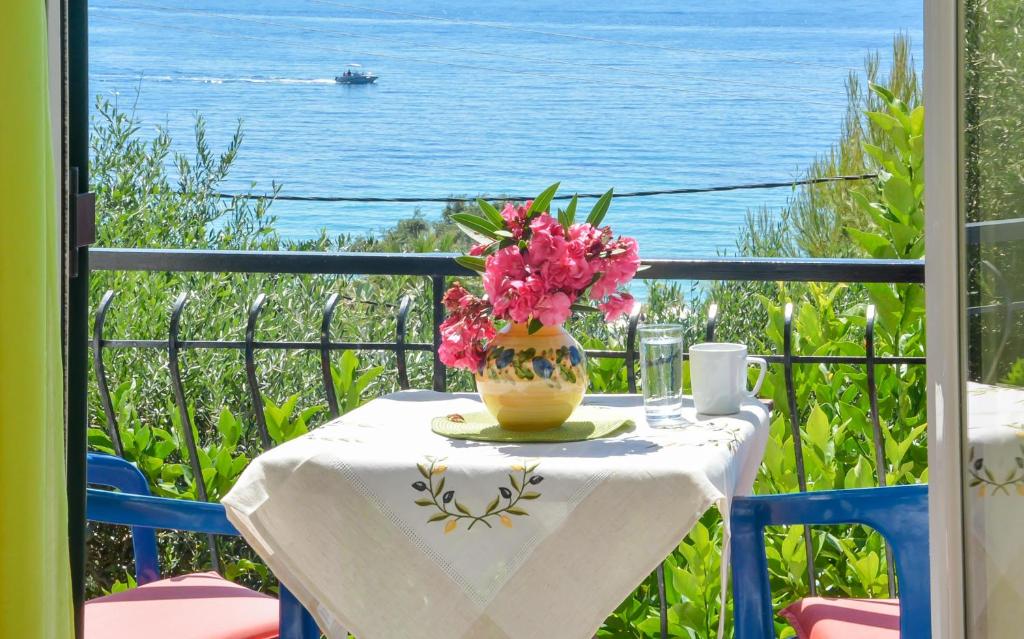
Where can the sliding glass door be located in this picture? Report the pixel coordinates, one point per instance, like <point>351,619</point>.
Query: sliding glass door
<point>991,126</point>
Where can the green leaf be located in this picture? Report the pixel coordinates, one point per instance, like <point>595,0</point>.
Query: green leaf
<point>584,308</point>
<point>877,153</point>
<point>424,502</point>
<point>543,201</point>
<point>476,227</point>
<point>885,121</point>
<point>472,262</point>
<point>887,303</point>
<point>462,509</point>
<point>818,428</point>
<point>876,211</point>
<point>517,511</point>
<point>600,209</point>
<point>228,427</point>
<point>899,195</point>
<point>917,121</point>
<point>515,483</point>
<point>570,212</point>
<point>534,326</point>
<point>883,92</point>
<point>363,381</point>
<point>492,214</point>
<point>438,517</point>
<point>876,245</point>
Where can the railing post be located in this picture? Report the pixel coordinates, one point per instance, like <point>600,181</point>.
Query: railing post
<point>174,365</point>
<point>325,355</point>
<point>400,337</point>
<point>876,428</point>
<point>631,346</point>
<point>101,372</point>
<point>437,289</point>
<point>712,324</point>
<point>794,423</point>
<point>250,371</point>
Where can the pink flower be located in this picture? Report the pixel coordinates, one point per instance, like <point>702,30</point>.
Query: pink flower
<point>547,241</point>
<point>618,268</point>
<point>453,296</point>
<point>523,296</point>
<point>616,306</point>
<point>591,239</point>
<point>553,309</point>
<point>515,218</point>
<point>502,269</point>
<point>572,271</point>
<point>464,332</point>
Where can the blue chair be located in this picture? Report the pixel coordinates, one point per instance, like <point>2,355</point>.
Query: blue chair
<point>197,606</point>
<point>899,513</point>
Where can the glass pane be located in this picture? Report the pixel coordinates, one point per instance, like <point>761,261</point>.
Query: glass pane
<point>993,187</point>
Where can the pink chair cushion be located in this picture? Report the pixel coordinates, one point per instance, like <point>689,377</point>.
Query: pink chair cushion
<point>821,618</point>
<point>199,606</point>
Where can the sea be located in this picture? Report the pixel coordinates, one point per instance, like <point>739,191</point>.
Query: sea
<point>502,97</point>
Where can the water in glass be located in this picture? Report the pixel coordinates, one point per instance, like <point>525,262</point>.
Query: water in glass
<point>661,373</point>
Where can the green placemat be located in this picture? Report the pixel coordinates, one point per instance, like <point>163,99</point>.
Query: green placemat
<point>586,422</point>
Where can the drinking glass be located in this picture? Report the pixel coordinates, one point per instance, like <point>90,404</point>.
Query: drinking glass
<point>661,373</point>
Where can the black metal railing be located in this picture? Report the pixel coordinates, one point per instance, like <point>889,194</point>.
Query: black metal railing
<point>437,268</point>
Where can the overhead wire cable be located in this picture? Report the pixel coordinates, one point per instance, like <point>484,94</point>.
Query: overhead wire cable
<point>520,198</point>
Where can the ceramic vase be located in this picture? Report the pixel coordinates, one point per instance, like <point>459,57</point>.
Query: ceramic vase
<point>532,382</point>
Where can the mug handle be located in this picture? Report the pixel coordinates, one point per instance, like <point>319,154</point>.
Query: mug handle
<point>763,365</point>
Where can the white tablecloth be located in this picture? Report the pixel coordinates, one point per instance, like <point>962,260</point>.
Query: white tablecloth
<point>994,510</point>
<point>383,528</point>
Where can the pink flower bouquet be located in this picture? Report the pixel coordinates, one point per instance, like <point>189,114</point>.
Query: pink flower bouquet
<point>536,270</point>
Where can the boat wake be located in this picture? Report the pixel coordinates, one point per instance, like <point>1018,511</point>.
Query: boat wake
<point>215,80</point>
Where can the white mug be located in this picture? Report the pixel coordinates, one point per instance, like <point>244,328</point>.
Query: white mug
<point>718,375</point>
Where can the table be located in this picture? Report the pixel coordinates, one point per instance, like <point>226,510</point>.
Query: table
<point>994,510</point>
<point>383,528</point>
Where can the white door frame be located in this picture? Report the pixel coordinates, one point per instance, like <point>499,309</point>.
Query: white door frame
<point>944,309</point>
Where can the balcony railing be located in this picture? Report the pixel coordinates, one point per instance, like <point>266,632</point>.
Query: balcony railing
<point>437,268</point>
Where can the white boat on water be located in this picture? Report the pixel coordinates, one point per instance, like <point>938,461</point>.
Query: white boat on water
<point>354,74</point>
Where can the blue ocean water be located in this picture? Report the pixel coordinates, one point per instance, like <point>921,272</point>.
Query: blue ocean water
<point>503,96</point>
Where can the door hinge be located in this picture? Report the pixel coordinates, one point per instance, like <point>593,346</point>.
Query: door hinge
<point>83,222</point>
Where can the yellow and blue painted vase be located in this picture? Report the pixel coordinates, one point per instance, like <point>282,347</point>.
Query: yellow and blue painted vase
<point>532,382</point>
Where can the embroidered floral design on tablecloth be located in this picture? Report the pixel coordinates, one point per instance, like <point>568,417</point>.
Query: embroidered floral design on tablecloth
<point>984,478</point>
<point>722,435</point>
<point>451,511</point>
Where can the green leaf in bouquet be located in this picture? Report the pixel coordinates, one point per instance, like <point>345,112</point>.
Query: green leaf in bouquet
<point>542,201</point>
<point>534,326</point>
<point>568,216</point>
<point>583,308</point>
<point>490,212</point>
<point>476,227</point>
<point>600,209</point>
<point>471,262</point>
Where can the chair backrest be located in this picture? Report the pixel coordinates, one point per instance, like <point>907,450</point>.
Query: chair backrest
<point>114,472</point>
<point>899,513</point>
